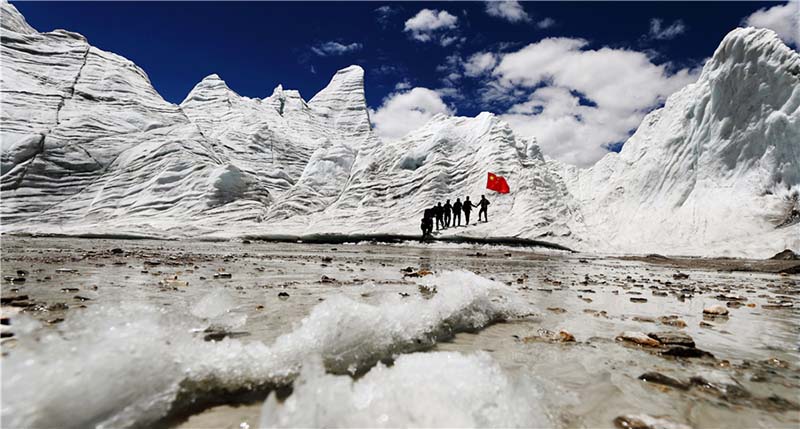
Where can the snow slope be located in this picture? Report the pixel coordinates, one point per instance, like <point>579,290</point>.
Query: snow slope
<point>89,146</point>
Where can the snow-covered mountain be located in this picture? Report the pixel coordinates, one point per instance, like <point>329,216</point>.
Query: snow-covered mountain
<point>89,146</point>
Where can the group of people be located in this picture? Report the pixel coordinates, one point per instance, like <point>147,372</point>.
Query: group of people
<point>447,215</point>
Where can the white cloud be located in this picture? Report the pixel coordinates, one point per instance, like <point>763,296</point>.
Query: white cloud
<point>384,14</point>
<point>658,31</point>
<point>782,19</point>
<point>576,101</point>
<point>510,10</point>
<point>432,25</point>
<point>402,86</point>
<point>402,112</point>
<point>480,63</point>
<point>546,23</point>
<point>335,48</point>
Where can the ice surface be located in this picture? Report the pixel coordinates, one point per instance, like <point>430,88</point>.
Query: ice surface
<point>213,305</point>
<point>91,147</point>
<point>118,366</point>
<point>443,389</point>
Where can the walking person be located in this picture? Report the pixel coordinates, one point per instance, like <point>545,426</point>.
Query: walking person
<point>448,213</point>
<point>484,204</point>
<point>467,208</point>
<point>457,212</point>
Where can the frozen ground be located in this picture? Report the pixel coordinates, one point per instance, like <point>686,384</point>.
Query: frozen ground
<point>117,333</point>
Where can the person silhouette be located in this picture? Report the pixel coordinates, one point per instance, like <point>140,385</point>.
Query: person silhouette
<point>439,213</point>
<point>467,208</point>
<point>484,203</point>
<point>448,213</point>
<point>457,212</point>
<point>426,225</point>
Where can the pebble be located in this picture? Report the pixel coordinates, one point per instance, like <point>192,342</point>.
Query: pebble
<point>672,338</point>
<point>687,352</point>
<point>550,336</point>
<point>672,321</point>
<point>11,299</point>
<point>644,421</point>
<point>658,378</point>
<point>639,338</point>
<point>283,295</point>
<point>638,299</point>
<point>716,310</point>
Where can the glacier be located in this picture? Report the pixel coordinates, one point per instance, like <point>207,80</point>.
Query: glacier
<point>90,147</point>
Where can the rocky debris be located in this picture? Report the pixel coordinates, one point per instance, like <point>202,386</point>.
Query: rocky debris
<point>544,335</point>
<point>222,275</point>
<point>69,289</point>
<point>327,259</point>
<point>596,313</point>
<point>639,338</point>
<point>216,333</point>
<point>680,276</point>
<point>116,251</point>
<point>426,291</point>
<point>686,352</point>
<point>786,255</point>
<point>672,338</point>
<point>658,378</point>
<point>644,319</point>
<point>774,305</point>
<point>421,273</point>
<point>326,279</point>
<point>557,310</point>
<point>638,300</point>
<point>644,421</point>
<point>13,299</point>
<point>716,310</point>
<point>730,297</point>
<point>730,390</point>
<point>173,282</point>
<point>672,321</point>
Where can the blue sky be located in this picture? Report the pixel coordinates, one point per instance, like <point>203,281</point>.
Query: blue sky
<point>423,58</point>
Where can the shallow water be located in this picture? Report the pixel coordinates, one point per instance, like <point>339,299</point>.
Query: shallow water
<point>586,383</point>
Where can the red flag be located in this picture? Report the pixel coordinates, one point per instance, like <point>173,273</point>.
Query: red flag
<point>497,183</point>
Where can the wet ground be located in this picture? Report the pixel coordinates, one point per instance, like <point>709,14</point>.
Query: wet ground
<point>611,338</point>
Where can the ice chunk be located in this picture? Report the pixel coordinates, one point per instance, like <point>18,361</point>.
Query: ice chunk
<point>125,365</point>
<point>444,389</point>
<point>213,305</point>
